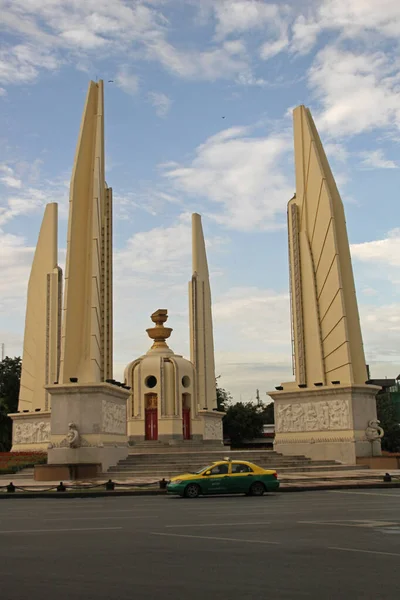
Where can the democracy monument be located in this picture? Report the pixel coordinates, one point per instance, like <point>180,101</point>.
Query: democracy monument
<point>70,405</point>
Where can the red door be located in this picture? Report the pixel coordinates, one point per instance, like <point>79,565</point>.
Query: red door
<point>186,423</point>
<point>151,424</point>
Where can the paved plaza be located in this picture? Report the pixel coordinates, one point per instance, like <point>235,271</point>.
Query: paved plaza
<point>331,544</point>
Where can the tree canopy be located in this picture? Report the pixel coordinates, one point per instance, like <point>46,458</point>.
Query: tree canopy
<point>269,413</point>
<point>389,422</point>
<point>243,421</point>
<point>10,376</point>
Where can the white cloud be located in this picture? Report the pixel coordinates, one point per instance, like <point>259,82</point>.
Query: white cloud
<point>305,33</point>
<point>385,251</point>
<point>219,62</point>
<point>11,181</point>
<point>369,291</point>
<point>161,102</point>
<point>247,78</point>
<point>270,49</point>
<point>243,307</point>
<point>376,160</point>
<point>368,20</point>
<point>126,80</point>
<point>3,92</point>
<point>239,17</point>
<point>162,249</point>
<point>336,151</point>
<point>381,332</point>
<point>72,32</point>
<point>21,63</point>
<point>381,16</point>
<point>358,91</point>
<point>235,16</point>
<point>27,196</point>
<point>242,174</point>
<point>16,260</point>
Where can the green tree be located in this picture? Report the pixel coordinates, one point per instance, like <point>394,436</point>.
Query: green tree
<point>243,421</point>
<point>10,376</point>
<point>224,398</point>
<point>386,412</point>
<point>268,413</point>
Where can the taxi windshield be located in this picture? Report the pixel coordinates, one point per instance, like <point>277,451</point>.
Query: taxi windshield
<point>201,470</point>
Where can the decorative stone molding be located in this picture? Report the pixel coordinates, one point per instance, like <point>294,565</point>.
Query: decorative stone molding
<point>283,439</point>
<point>114,417</point>
<point>32,432</point>
<point>88,388</point>
<point>308,394</point>
<point>313,416</point>
<point>294,246</point>
<point>66,443</point>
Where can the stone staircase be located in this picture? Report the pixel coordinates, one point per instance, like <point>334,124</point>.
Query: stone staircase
<point>22,474</point>
<point>167,462</point>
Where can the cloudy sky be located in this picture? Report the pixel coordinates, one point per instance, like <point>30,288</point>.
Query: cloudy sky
<point>198,119</point>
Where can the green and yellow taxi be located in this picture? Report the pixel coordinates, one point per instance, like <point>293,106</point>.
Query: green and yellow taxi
<point>225,477</point>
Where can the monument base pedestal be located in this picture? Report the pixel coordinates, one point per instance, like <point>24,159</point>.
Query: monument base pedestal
<point>66,472</point>
<point>210,426</point>
<point>326,423</point>
<point>205,428</point>
<point>88,425</point>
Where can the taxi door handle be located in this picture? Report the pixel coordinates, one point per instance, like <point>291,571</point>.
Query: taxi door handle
<point>226,476</point>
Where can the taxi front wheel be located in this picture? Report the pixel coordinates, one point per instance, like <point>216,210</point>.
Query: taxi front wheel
<point>192,490</point>
<point>257,489</point>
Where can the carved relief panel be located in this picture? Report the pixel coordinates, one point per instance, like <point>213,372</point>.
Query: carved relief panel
<point>213,429</point>
<point>30,432</point>
<point>114,417</point>
<point>313,416</point>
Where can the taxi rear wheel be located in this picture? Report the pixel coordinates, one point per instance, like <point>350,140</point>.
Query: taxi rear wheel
<point>257,489</point>
<point>192,490</point>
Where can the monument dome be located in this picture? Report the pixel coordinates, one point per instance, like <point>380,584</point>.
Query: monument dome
<point>161,404</point>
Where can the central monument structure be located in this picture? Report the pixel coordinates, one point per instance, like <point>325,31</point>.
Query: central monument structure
<point>325,412</point>
<point>172,399</point>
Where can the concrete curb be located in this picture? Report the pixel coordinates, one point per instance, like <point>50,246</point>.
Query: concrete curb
<point>158,492</point>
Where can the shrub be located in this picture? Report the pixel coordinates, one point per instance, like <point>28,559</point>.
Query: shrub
<point>11,462</point>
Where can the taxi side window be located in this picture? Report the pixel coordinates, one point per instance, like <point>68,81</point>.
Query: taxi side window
<point>219,470</point>
<point>241,468</point>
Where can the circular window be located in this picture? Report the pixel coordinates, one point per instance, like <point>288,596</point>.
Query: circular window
<point>150,381</point>
<point>185,381</point>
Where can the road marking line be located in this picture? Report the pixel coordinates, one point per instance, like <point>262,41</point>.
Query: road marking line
<point>59,530</point>
<point>230,514</point>
<point>355,523</point>
<point>325,523</point>
<point>219,524</point>
<point>394,496</point>
<point>99,518</point>
<point>223,539</point>
<point>363,551</point>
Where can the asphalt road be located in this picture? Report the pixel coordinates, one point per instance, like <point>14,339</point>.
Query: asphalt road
<point>332,544</point>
